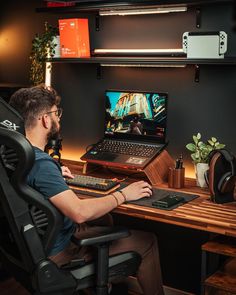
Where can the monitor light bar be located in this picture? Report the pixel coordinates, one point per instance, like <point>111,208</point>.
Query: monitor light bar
<point>142,10</point>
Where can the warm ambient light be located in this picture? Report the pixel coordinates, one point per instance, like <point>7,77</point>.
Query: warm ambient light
<point>142,10</point>
<point>48,73</point>
<point>143,65</point>
<point>189,170</point>
<point>71,153</point>
<point>167,51</point>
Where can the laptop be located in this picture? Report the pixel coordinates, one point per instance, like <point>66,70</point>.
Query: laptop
<point>135,129</point>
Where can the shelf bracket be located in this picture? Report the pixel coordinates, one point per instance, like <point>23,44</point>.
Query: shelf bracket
<point>198,17</point>
<point>197,73</point>
<point>97,22</point>
<point>99,72</point>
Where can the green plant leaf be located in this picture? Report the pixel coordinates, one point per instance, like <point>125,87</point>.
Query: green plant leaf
<point>214,139</point>
<point>193,157</point>
<point>197,154</point>
<point>201,144</point>
<point>220,146</point>
<point>210,142</point>
<point>42,47</point>
<point>191,147</point>
<point>195,139</point>
<point>199,136</point>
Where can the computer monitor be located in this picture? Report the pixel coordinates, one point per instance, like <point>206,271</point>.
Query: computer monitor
<point>137,114</point>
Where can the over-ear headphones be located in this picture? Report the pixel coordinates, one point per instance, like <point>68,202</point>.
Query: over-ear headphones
<point>221,176</point>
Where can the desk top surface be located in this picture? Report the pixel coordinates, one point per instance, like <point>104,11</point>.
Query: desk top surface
<point>201,213</point>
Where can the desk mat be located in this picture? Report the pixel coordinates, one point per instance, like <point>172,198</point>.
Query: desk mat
<point>161,193</point>
<point>147,202</point>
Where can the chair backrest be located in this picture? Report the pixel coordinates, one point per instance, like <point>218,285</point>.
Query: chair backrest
<point>30,223</point>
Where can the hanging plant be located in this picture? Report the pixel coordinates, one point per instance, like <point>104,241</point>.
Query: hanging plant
<point>43,47</point>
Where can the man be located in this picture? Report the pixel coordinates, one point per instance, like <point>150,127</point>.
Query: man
<point>39,106</point>
<point>136,127</point>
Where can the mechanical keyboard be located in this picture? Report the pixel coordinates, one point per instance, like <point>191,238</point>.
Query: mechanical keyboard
<point>94,183</point>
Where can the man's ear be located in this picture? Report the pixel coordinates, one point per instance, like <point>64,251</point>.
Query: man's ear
<point>46,121</point>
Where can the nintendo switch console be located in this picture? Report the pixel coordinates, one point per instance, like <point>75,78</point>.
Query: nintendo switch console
<point>205,44</point>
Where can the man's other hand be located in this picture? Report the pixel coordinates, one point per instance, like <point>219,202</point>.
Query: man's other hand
<point>66,172</point>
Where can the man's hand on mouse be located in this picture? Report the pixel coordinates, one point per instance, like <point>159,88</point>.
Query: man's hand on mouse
<point>137,190</point>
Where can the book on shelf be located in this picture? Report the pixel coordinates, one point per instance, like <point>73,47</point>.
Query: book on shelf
<point>74,37</point>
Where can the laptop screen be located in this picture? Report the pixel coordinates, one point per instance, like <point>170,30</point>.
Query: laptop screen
<point>136,115</point>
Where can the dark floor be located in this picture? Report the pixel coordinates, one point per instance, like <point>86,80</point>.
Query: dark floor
<point>10,286</point>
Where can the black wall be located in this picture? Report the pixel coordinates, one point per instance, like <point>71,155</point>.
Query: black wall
<point>207,107</point>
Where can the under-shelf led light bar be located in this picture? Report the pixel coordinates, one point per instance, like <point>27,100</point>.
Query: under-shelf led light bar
<point>141,52</point>
<point>143,65</point>
<point>142,10</point>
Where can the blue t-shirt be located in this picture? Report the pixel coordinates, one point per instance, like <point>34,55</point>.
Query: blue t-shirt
<point>46,177</point>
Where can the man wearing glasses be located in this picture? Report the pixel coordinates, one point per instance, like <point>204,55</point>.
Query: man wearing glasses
<point>39,106</point>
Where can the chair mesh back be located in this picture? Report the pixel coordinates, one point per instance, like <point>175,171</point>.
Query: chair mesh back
<point>9,158</point>
<point>40,220</point>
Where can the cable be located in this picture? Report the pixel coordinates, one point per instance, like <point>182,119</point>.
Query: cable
<point>88,146</point>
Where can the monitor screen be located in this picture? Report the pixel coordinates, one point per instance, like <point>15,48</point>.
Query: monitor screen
<point>137,114</point>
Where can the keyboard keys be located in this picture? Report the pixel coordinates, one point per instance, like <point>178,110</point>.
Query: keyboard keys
<point>120,147</point>
<point>91,182</point>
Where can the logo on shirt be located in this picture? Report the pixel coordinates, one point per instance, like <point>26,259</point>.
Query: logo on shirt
<point>9,125</point>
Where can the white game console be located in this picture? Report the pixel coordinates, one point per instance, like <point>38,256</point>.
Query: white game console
<point>205,44</point>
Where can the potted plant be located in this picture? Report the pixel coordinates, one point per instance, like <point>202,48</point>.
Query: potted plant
<point>43,47</point>
<point>200,153</point>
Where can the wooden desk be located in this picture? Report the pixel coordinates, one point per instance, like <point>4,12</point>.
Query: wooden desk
<point>199,214</point>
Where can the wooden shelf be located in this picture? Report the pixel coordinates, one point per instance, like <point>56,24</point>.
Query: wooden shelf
<point>221,245</point>
<point>224,279</point>
<point>231,61</point>
<point>94,6</point>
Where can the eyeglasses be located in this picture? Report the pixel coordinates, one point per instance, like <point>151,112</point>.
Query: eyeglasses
<point>57,112</point>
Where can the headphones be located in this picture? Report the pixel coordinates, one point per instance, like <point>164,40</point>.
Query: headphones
<point>221,176</point>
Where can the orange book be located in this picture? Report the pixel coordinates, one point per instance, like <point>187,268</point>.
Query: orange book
<point>74,37</point>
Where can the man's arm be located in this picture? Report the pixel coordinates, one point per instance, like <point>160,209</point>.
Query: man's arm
<point>46,177</point>
<point>82,210</point>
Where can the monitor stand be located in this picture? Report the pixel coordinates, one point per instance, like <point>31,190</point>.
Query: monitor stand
<point>156,171</point>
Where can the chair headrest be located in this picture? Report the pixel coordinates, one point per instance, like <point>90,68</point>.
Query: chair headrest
<point>10,118</point>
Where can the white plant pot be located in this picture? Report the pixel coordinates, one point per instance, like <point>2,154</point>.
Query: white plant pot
<point>56,40</point>
<point>200,169</point>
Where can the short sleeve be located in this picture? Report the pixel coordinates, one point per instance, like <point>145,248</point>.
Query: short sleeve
<point>46,178</point>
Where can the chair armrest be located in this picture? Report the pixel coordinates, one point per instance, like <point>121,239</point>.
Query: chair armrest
<point>103,235</point>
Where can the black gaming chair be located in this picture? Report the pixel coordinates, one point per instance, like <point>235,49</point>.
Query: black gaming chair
<point>29,225</point>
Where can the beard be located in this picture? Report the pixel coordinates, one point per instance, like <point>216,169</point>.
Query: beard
<point>54,133</point>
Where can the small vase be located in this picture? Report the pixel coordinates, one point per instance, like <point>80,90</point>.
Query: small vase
<point>200,169</point>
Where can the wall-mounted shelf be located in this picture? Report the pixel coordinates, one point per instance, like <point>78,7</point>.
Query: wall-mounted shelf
<point>97,5</point>
<point>147,61</point>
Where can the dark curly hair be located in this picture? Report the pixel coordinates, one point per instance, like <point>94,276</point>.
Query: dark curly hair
<point>33,101</point>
